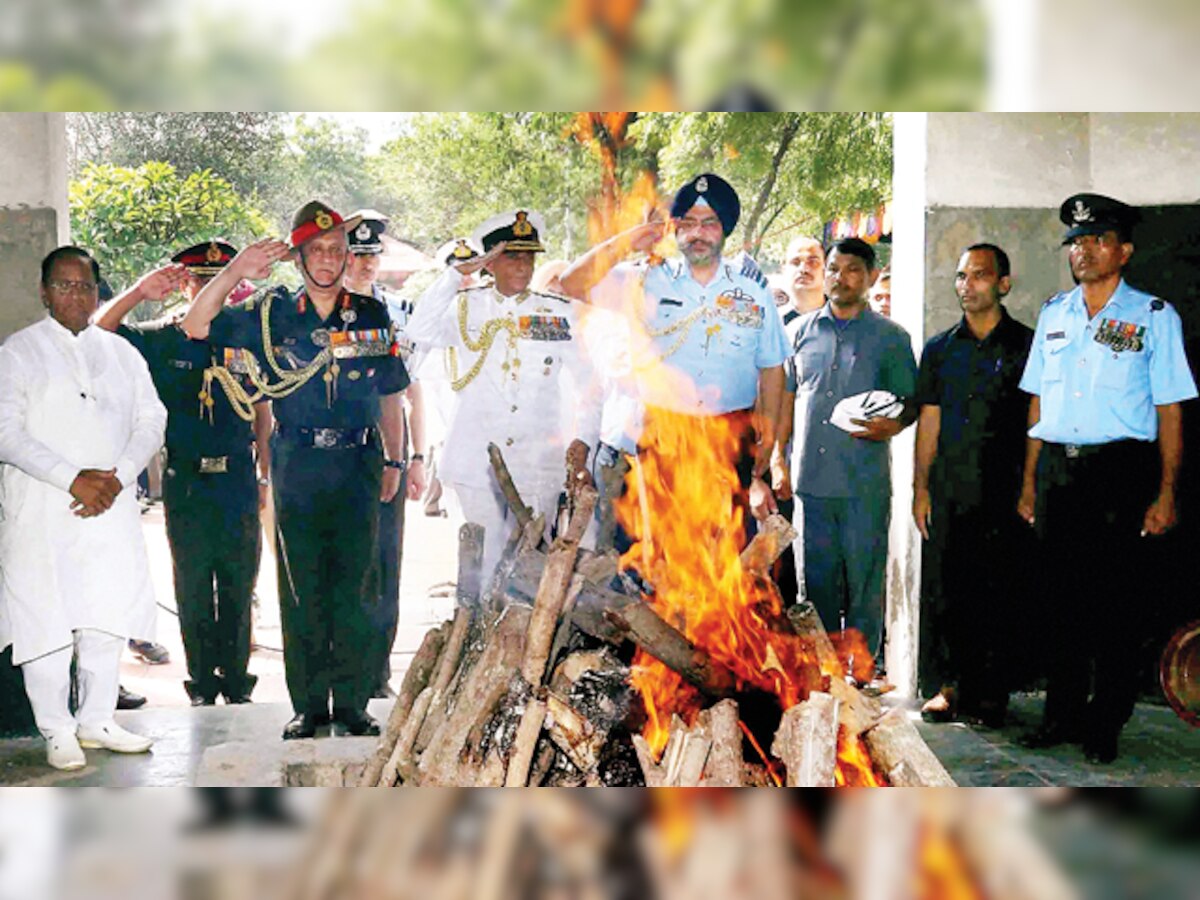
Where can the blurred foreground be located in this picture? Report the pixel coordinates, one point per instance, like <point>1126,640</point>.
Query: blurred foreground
<point>1014,843</point>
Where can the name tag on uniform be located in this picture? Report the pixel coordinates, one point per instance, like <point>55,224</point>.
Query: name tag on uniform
<point>667,301</point>
<point>544,328</point>
<point>1121,336</point>
<point>180,363</point>
<point>1056,335</point>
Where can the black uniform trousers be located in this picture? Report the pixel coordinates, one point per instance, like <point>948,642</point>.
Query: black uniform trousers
<point>213,530</point>
<point>327,516</point>
<point>974,611</point>
<point>391,553</point>
<point>1097,578</point>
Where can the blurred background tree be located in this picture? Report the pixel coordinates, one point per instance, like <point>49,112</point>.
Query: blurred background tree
<point>135,219</point>
<point>444,173</point>
<point>479,54</point>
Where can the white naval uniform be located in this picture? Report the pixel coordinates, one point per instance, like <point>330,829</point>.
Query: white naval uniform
<point>531,400</point>
<point>70,402</point>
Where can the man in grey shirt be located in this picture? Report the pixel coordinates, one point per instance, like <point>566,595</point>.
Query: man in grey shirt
<point>842,479</point>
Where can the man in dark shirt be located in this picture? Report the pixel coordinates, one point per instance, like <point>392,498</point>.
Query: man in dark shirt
<point>332,370</point>
<point>969,457</point>
<point>209,494</point>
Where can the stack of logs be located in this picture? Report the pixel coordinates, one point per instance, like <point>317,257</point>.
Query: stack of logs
<point>524,686</point>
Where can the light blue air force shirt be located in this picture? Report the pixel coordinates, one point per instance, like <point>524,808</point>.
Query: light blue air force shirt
<point>702,346</point>
<point>1099,380</point>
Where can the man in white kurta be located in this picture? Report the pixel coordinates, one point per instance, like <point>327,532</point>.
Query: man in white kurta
<point>79,419</point>
<point>520,378</point>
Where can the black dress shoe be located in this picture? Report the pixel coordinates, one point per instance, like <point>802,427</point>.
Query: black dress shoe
<point>128,699</point>
<point>1050,735</point>
<point>237,699</point>
<point>1100,747</point>
<point>201,700</point>
<point>304,725</point>
<point>356,723</point>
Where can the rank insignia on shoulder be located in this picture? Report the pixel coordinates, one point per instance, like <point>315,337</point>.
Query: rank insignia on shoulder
<point>1156,304</point>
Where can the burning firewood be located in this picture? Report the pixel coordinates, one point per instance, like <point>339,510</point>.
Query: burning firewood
<point>807,741</point>
<point>774,535</point>
<point>724,767</point>
<point>897,748</point>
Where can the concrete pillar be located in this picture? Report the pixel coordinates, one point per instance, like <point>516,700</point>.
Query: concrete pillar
<point>34,215</point>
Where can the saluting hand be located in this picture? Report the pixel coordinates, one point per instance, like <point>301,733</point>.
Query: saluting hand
<point>471,266</point>
<point>642,238</point>
<point>256,260</point>
<point>94,491</point>
<point>162,282</point>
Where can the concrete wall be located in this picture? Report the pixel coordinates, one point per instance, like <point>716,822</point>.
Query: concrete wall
<point>33,209</point>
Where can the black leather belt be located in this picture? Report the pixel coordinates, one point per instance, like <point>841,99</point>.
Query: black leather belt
<point>1083,451</point>
<point>327,438</point>
<point>208,465</point>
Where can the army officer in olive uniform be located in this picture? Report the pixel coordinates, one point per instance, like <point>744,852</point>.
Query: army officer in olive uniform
<point>331,369</point>
<point>209,492</point>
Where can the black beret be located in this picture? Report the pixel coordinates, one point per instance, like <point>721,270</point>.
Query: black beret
<point>716,192</point>
<point>1096,214</point>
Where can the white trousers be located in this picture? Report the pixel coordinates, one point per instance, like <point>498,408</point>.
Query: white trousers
<point>97,675</point>
<point>487,508</point>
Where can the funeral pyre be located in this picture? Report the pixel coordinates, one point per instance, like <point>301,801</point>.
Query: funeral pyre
<point>571,668</point>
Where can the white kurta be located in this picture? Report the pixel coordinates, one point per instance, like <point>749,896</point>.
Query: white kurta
<point>71,402</point>
<point>531,417</point>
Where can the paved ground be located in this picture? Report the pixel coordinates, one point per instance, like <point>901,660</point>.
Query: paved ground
<point>1156,748</point>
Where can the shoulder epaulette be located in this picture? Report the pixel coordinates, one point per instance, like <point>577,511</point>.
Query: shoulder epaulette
<point>1156,304</point>
<point>1052,298</point>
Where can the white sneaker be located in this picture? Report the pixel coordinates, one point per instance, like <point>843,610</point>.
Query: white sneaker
<point>111,736</point>
<point>63,752</point>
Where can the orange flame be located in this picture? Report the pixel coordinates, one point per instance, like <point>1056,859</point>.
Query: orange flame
<point>684,510</point>
<point>942,871</point>
<point>854,767</point>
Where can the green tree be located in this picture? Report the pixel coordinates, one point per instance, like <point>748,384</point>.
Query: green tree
<point>793,171</point>
<point>244,148</point>
<point>453,170</point>
<point>135,219</point>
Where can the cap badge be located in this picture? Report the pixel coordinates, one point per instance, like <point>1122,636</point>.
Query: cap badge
<point>522,227</point>
<point>323,219</point>
<point>461,250</point>
<point>1081,213</point>
<point>363,232</point>
<point>213,253</point>
<point>701,184</point>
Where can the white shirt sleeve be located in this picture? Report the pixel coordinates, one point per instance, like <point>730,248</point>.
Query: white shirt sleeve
<point>149,420</point>
<point>433,321</point>
<point>17,447</point>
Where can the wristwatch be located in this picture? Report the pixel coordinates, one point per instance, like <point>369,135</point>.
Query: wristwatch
<point>263,481</point>
<point>394,463</point>
<point>417,457</point>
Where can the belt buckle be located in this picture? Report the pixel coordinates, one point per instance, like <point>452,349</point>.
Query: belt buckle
<point>1072,451</point>
<point>214,465</point>
<point>324,438</point>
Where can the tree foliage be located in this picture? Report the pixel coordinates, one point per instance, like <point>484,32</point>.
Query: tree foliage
<point>133,219</point>
<point>447,172</point>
